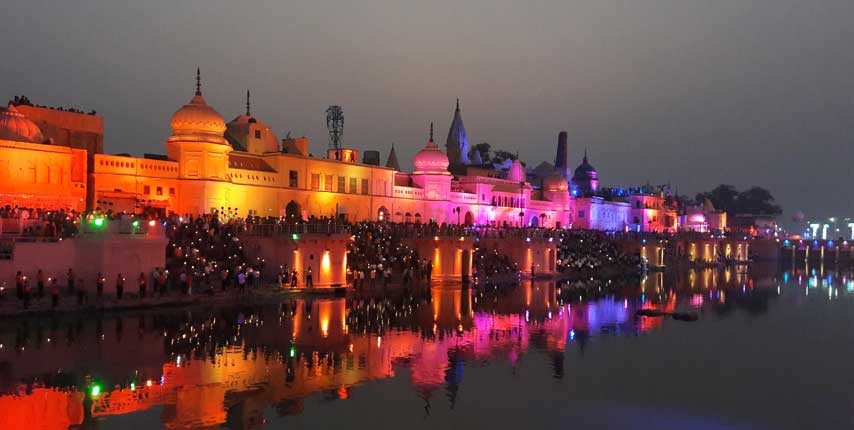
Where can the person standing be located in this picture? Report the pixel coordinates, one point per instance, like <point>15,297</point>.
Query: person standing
<point>241,282</point>
<point>155,274</point>
<point>19,285</point>
<point>294,278</point>
<point>54,294</point>
<point>185,285</point>
<point>99,286</point>
<point>70,278</point>
<point>27,293</point>
<point>142,282</point>
<point>309,282</point>
<point>40,284</point>
<point>81,293</point>
<point>120,286</point>
<point>250,277</point>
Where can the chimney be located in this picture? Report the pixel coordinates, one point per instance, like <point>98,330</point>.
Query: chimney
<point>561,156</point>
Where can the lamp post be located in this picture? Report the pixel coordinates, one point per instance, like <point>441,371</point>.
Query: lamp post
<point>521,206</point>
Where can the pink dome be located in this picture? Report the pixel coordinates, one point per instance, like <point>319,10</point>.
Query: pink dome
<point>197,117</point>
<point>555,182</point>
<point>431,159</point>
<point>16,127</point>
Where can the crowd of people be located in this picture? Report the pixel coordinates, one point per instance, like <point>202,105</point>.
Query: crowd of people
<point>205,253</point>
<point>378,252</point>
<point>589,251</point>
<point>34,222</point>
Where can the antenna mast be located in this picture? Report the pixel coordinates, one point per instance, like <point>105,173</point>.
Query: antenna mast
<point>335,125</point>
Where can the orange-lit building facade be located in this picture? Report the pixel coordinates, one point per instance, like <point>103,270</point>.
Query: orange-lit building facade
<point>56,160</point>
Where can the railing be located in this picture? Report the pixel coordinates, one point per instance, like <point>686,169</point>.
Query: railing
<point>284,229</point>
<point>133,226</point>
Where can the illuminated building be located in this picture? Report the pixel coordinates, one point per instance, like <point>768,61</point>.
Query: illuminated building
<point>53,158</point>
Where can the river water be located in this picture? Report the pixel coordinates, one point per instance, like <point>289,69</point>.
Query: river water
<point>770,350</point>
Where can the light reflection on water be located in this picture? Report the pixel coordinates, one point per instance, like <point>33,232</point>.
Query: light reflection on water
<point>264,365</point>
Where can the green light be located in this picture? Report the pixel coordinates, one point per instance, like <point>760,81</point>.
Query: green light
<point>295,236</point>
<point>96,390</point>
<point>133,386</point>
<point>135,224</point>
<point>98,222</point>
<point>293,352</point>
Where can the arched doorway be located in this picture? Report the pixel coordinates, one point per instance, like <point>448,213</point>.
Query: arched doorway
<point>383,214</point>
<point>417,218</point>
<point>469,219</point>
<point>292,211</point>
<point>535,221</point>
<point>407,218</point>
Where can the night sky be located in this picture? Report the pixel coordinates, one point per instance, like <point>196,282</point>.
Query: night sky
<point>692,92</point>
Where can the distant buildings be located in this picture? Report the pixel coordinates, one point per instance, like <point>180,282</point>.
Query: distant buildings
<point>54,158</point>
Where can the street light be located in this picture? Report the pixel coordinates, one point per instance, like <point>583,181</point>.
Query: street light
<point>521,206</point>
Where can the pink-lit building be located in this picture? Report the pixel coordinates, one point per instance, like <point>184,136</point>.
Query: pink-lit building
<point>242,167</point>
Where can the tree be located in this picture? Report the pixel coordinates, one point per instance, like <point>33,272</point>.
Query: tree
<point>483,148</point>
<point>502,156</point>
<point>757,201</point>
<point>723,197</point>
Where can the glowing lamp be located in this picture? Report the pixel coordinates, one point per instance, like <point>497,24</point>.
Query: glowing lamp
<point>135,223</point>
<point>98,222</point>
<point>95,390</point>
<point>151,223</point>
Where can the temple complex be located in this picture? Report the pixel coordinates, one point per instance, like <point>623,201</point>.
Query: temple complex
<point>53,158</point>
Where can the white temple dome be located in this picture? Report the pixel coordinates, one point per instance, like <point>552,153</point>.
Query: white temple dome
<point>431,159</point>
<point>197,117</point>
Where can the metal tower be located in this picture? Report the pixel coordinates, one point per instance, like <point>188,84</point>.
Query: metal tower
<point>335,125</point>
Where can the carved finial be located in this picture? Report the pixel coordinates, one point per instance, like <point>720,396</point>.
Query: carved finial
<point>458,104</point>
<point>198,81</point>
<point>431,131</point>
<point>248,112</point>
<point>585,154</point>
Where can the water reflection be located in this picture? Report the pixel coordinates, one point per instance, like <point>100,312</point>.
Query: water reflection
<point>226,366</point>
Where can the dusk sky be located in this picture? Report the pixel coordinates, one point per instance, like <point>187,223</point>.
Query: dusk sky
<point>692,92</point>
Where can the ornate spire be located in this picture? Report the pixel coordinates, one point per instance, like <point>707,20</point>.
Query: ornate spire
<point>585,155</point>
<point>248,112</point>
<point>431,131</point>
<point>457,143</point>
<point>392,159</point>
<point>198,81</point>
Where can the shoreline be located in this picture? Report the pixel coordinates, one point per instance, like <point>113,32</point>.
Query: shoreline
<point>11,306</point>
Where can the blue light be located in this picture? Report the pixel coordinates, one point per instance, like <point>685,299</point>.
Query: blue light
<point>572,334</point>
<point>786,242</point>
